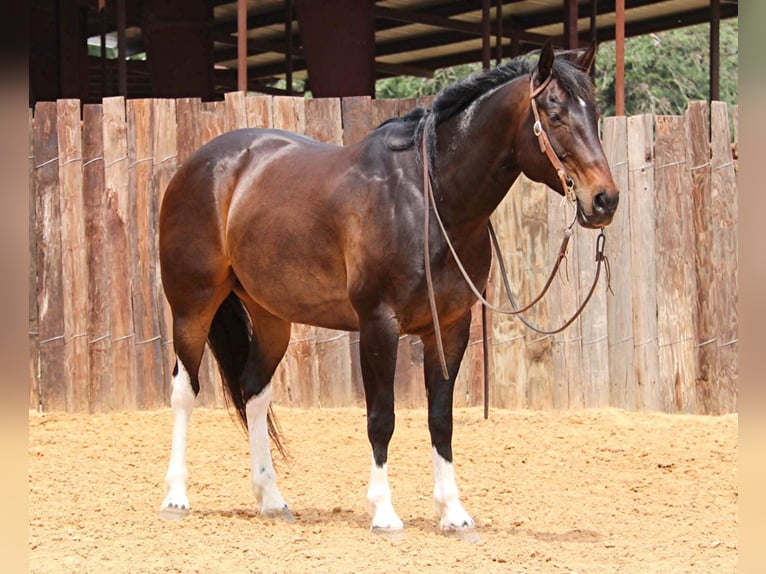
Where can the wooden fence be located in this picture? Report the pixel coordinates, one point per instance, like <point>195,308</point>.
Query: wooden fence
<point>664,337</point>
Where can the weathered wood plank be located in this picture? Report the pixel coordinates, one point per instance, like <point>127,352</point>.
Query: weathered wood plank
<point>74,268</point>
<point>259,111</point>
<point>698,162</point>
<point>289,113</point>
<point>324,121</point>
<point>383,110</point>
<point>676,279</point>
<point>406,105</point>
<point>725,208</point>
<point>357,118</point>
<point>651,395</point>
<point>593,324</point>
<point>140,165</point>
<point>188,127</point>
<point>99,267</point>
<point>123,393</point>
<point>213,120</point>
<point>508,377</point>
<point>619,304</point>
<point>565,295</point>
<point>34,333</point>
<point>533,244</point>
<point>236,110</point>
<point>52,379</point>
<point>469,385</point>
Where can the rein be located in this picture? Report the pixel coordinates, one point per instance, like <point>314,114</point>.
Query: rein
<point>568,186</point>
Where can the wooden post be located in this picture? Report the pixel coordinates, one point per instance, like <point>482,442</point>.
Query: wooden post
<point>593,322</point>
<point>51,392</point>
<point>567,353</point>
<point>507,349</point>
<point>643,248</point>
<point>698,161</point>
<point>259,111</point>
<point>236,111</point>
<point>99,261</point>
<point>145,318</point>
<point>622,375</point>
<point>34,333</point>
<point>74,254</point>
<point>676,278</point>
<point>724,228</point>
<point>123,390</point>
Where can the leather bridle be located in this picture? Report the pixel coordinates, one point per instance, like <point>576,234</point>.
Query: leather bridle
<point>567,183</point>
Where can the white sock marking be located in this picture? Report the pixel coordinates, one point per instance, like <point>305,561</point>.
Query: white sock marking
<point>182,403</point>
<point>379,500</point>
<point>447,504</point>
<point>264,477</point>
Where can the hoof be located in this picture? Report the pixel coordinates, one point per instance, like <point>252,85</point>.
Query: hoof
<point>174,512</point>
<point>466,534</point>
<point>392,534</point>
<point>282,514</point>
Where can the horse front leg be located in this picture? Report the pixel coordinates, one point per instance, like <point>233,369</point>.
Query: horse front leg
<point>378,342</point>
<point>452,515</point>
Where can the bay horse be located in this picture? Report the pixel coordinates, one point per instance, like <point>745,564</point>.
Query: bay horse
<point>262,228</point>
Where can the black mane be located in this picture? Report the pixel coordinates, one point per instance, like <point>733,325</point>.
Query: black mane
<point>457,97</point>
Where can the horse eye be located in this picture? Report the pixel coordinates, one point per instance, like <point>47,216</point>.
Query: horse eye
<point>554,118</point>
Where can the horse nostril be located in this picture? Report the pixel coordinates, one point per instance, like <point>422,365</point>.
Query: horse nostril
<point>602,203</point>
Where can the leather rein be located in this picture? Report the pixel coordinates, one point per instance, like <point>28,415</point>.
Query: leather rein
<point>568,187</point>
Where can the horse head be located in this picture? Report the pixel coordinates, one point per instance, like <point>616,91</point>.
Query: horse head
<point>558,143</point>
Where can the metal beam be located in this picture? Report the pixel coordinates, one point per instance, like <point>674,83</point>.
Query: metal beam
<point>619,74</point>
<point>715,48</point>
<point>242,45</point>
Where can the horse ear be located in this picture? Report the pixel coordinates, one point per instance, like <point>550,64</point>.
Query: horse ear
<point>545,63</point>
<point>587,59</point>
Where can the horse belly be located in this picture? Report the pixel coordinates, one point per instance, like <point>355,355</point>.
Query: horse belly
<point>295,280</point>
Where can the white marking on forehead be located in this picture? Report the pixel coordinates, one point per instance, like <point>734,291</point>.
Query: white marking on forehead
<point>583,103</point>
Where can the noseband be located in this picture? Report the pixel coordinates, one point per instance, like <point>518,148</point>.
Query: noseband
<point>567,183</point>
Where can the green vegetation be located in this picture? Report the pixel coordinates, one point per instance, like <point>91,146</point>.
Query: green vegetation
<point>663,72</point>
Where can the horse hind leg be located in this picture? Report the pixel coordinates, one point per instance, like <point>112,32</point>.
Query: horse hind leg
<point>271,336</point>
<point>190,331</point>
<point>185,386</point>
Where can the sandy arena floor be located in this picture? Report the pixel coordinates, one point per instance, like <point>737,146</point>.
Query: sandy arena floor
<point>586,492</point>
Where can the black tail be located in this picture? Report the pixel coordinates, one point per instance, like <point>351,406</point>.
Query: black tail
<point>229,339</point>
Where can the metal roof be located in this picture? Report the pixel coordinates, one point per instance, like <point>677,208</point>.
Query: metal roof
<point>416,37</point>
<point>419,36</point>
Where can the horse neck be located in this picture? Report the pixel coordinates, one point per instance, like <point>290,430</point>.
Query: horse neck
<point>475,161</point>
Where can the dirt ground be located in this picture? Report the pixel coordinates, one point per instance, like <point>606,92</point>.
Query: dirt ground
<point>587,492</point>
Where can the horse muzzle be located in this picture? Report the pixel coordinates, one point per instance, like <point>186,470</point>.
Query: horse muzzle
<point>601,210</point>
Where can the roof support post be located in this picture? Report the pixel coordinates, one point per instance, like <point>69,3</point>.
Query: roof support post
<point>715,49</point>
<point>242,45</point>
<point>619,68</point>
<point>571,41</point>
